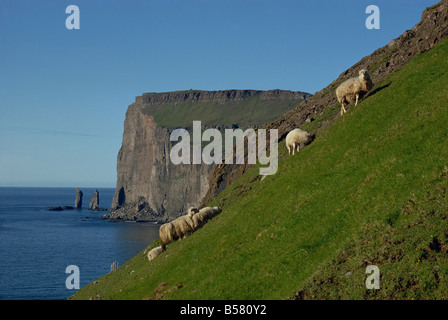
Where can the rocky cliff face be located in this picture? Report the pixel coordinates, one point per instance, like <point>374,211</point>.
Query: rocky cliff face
<point>149,186</point>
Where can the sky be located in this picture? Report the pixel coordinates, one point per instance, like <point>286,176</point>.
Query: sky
<point>64,92</point>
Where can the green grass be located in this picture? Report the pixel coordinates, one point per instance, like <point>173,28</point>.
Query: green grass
<point>410,247</point>
<point>340,195</point>
<point>245,113</point>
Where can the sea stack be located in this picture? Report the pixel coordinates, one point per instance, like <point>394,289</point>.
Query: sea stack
<point>78,200</point>
<point>95,201</point>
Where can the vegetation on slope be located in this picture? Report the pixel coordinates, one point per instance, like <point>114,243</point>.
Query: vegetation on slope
<point>341,200</point>
<point>252,111</point>
<point>410,248</point>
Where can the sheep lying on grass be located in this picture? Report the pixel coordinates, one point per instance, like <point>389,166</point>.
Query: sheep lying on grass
<point>154,252</point>
<point>297,138</point>
<point>350,90</point>
<point>185,225</point>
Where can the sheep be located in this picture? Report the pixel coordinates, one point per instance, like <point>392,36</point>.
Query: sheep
<point>295,138</point>
<point>177,229</point>
<point>154,252</point>
<point>198,220</point>
<point>192,211</point>
<point>167,234</point>
<point>350,90</point>
<point>201,217</point>
<point>185,225</point>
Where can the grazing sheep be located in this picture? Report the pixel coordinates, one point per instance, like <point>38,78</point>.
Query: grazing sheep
<point>167,234</point>
<point>296,138</point>
<point>154,252</point>
<point>212,211</point>
<point>185,225</point>
<point>177,229</point>
<point>350,90</point>
<point>201,217</point>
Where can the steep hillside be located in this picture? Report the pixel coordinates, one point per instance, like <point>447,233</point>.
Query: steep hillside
<point>383,164</point>
<point>321,108</point>
<point>149,186</point>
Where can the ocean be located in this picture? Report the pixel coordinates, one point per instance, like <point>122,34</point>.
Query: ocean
<point>37,245</point>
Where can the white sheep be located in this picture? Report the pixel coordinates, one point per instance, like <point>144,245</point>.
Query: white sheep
<point>154,252</point>
<point>177,229</point>
<point>205,214</point>
<point>349,91</point>
<point>185,225</point>
<point>167,234</point>
<point>297,138</point>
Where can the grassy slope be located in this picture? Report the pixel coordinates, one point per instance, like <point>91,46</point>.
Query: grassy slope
<point>275,236</point>
<point>249,112</point>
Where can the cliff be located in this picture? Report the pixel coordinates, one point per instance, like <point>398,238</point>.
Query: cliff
<point>151,188</point>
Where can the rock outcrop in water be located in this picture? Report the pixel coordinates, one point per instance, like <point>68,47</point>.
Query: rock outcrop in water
<point>60,208</point>
<point>95,201</point>
<point>78,199</point>
<point>149,186</point>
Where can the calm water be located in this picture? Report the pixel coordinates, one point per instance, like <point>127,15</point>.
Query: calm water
<point>36,245</point>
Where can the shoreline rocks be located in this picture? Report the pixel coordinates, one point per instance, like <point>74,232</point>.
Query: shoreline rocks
<point>60,208</point>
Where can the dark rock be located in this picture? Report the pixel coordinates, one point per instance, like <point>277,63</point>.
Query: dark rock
<point>55,208</point>
<point>95,201</point>
<point>60,208</point>
<point>78,200</point>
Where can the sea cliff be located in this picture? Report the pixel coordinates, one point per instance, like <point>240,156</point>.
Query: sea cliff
<point>149,186</point>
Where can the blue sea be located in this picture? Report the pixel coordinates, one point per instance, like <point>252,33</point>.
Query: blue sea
<point>37,245</point>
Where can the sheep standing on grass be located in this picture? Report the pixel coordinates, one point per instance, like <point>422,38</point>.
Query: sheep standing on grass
<point>167,234</point>
<point>185,225</point>
<point>297,138</point>
<point>350,90</point>
<point>177,229</point>
<point>201,217</point>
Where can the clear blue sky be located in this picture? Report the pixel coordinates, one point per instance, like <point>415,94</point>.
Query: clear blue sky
<point>64,93</point>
